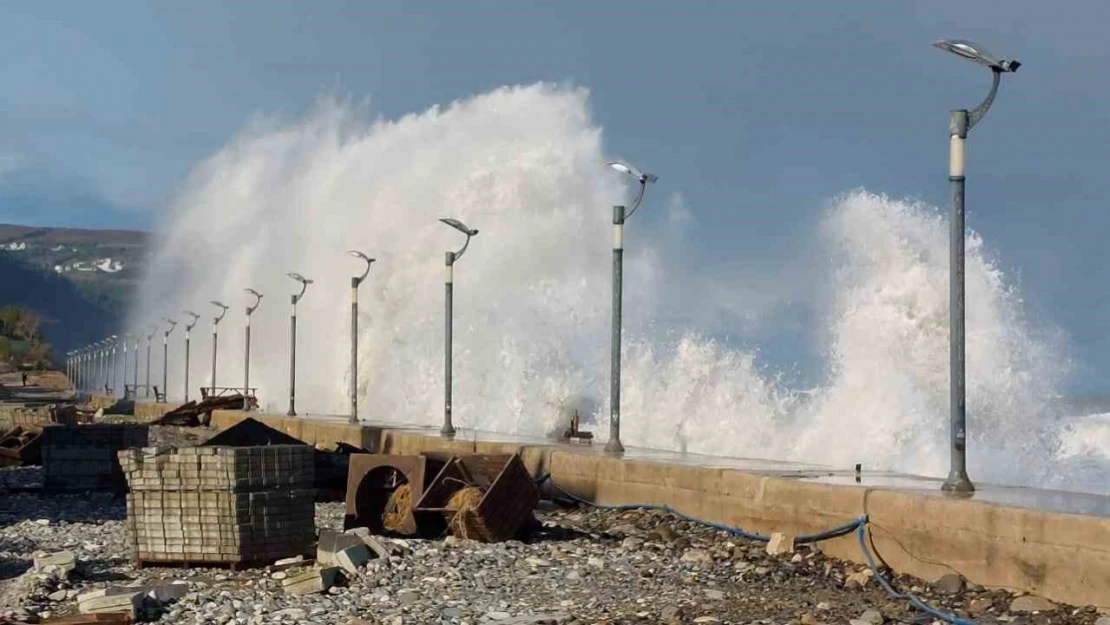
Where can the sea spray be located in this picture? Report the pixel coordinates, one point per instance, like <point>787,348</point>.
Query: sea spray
<point>525,166</point>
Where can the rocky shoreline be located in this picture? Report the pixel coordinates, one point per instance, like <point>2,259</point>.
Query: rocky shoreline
<point>584,566</point>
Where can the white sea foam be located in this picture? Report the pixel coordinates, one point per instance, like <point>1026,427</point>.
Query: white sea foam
<point>524,165</point>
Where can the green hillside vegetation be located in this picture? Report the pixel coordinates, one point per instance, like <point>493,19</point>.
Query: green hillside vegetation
<point>22,344</point>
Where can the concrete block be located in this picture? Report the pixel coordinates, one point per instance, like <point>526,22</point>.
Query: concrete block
<point>353,558</point>
<point>331,543</point>
<point>363,534</point>
<point>309,582</point>
<point>64,560</point>
<point>127,602</point>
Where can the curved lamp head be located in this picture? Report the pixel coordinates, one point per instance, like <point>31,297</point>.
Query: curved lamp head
<point>369,261</point>
<point>173,324</point>
<point>461,227</point>
<point>304,284</point>
<point>629,170</point>
<point>257,300</point>
<point>223,311</point>
<point>196,318</point>
<point>977,54</point>
<point>643,178</point>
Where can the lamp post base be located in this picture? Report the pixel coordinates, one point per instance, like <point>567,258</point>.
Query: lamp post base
<point>958,482</point>
<point>614,446</point>
<point>447,431</point>
<point>291,413</point>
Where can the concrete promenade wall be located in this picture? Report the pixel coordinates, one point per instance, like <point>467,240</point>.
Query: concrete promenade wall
<point>1060,556</point>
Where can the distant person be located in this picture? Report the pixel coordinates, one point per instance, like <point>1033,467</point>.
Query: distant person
<point>24,378</point>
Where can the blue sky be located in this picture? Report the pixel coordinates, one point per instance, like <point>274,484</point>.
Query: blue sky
<point>756,112</point>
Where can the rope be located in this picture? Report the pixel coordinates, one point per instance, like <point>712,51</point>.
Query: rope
<point>859,526</point>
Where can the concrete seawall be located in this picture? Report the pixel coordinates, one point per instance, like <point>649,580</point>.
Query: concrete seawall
<point>1020,539</point>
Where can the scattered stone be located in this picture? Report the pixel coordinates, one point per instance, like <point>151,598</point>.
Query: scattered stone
<point>554,618</point>
<point>664,533</point>
<point>982,605</point>
<point>57,595</point>
<point>286,563</point>
<point>1031,603</point>
<point>859,580</point>
<point>631,543</point>
<point>949,584</point>
<point>293,614</point>
<point>280,575</point>
<point>780,544</point>
<point>672,614</point>
<point>714,594</point>
<point>697,556</point>
<point>872,616</point>
<point>1103,620</point>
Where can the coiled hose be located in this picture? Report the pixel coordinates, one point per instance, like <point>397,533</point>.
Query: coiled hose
<point>859,526</point>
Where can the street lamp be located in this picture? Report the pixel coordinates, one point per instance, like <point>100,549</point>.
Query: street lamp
<point>135,379</point>
<point>149,340</point>
<point>614,445</point>
<point>355,282</point>
<point>215,338</point>
<point>188,330</point>
<point>960,122</point>
<point>110,384</point>
<point>166,356</point>
<point>247,350</point>
<point>293,341</point>
<point>448,429</point>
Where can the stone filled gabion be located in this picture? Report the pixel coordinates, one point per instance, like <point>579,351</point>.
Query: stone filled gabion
<point>219,504</point>
<point>83,457</point>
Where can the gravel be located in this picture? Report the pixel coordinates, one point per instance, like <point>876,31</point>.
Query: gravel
<point>583,566</point>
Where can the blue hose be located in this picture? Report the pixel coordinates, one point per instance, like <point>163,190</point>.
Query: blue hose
<point>859,526</point>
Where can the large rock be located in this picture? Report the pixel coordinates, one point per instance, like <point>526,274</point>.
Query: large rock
<point>780,544</point>
<point>949,584</point>
<point>1031,603</point>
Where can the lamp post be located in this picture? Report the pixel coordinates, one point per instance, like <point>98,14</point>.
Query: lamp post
<point>123,367</point>
<point>355,282</point>
<point>293,342</point>
<point>614,445</point>
<point>960,122</point>
<point>215,340</point>
<point>247,349</point>
<point>448,429</point>
<point>135,378</point>
<point>149,340</point>
<point>188,333</point>
<point>104,364</point>
<point>166,356</point>
<point>112,362</point>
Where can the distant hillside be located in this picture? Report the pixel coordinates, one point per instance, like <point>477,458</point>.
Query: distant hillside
<point>69,318</point>
<point>104,265</point>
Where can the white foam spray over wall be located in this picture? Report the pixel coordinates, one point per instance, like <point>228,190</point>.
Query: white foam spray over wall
<point>524,165</point>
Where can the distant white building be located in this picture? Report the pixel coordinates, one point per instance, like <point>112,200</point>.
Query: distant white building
<point>14,247</point>
<point>107,265</point>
